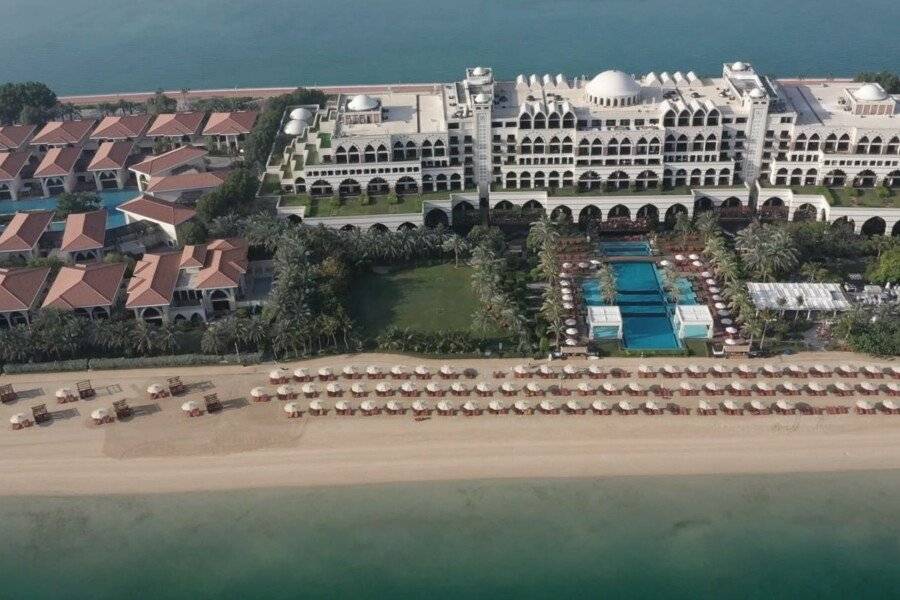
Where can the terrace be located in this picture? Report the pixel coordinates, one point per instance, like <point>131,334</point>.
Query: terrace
<point>362,205</point>
<point>877,197</point>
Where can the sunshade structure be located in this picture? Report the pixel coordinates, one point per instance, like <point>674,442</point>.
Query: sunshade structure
<point>781,297</point>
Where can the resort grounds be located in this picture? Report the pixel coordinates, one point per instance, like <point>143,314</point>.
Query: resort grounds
<point>252,444</point>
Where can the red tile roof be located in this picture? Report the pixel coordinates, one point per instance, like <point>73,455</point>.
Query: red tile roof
<point>147,207</point>
<point>24,231</point>
<point>85,286</point>
<point>167,161</point>
<point>154,279</point>
<point>221,262</point>
<point>58,162</point>
<point>84,231</point>
<point>63,132</point>
<point>121,128</point>
<point>111,156</point>
<point>14,136</point>
<point>11,164</point>
<point>19,288</point>
<point>177,124</point>
<point>230,123</point>
<point>205,180</point>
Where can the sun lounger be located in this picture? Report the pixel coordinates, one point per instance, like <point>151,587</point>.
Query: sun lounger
<point>85,389</point>
<point>7,394</point>
<point>40,413</point>
<point>122,410</point>
<point>176,386</point>
<point>212,403</point>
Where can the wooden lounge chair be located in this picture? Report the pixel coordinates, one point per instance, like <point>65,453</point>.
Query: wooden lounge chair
<point>213,404</point>
<point>176,386</point>
<point>7,393</point>
<point>85,389</point>
<point>40,413</point>
<point>122,410</point>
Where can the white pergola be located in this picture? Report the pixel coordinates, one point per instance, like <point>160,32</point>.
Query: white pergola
<point>605,317</point>
<point>798,296</point>
<point>693,321</point>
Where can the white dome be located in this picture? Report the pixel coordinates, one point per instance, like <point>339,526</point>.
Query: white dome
<point>479,71</point>
<point>757,93</point>
<point>362,102</point>
<point>870,91</point>
<point>301,114</point>
<point>612,84</point>
<point>294,127</point>
<point>482,98</point>
<point>738,66</point>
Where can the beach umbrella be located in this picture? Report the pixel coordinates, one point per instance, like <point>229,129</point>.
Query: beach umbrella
<point>573,405</point>
<point>843,387</point>
<point>583,265</point>
<point>720,369</point>
<point>373,370</point>
<point>301,373</point>
<point>788,386</point>
<point>625,405</point>
<point>724,313</point>
<point>19,419</point>
<point>713,290</point>
<point>258,392</point>
<point>635,387</point>
<point>651,405</point>
<point>711,281</point>
<point>285,390</point>
<point>731,330</point>
<point>646,369</point>
<point>696,370</point>
<point>704,405</point>
<point>398,370</point>
<point>292,407</point>
<point>693,256</point>
<point>770,369</point>
<point>422,370</point>
<point>610,388</point>
<point>334,388</point>
<point>571,342</point>
<point>470,406</point>
<point>393,406</point>
<point>595,369</point>
<point>730,405</point>
<point>757,405</point>
<point>599,405</point>
<point>706,274</point>
<point>862,404</point>
<point>325,372</point>
<point>711,387</point>
<point>277,374</point>
<point>815,388</point>
<point>737,388</point>
<point>571,322</point>
<point>447,370</point>
<point>383,388</point>
<point>547,406</point>
<point>726,321</point>
<point>679,257</point>
<point>545,370</point>
<point>687,387</point>
<point>508,387</point>
<point>889,405</point>
<point>63,393</point>
<point>190,406</point>
<point>717,298</point>
<point>664,263</point>
<point>784,405</point>
<point>152,389</point>
<point>868,387</point>
<point>822,369</point>
<point>341,406</point>
<point>357,389</point>
<point>444,406</point>
<point>308,388</point>
<point>763,387</point>
<point>495,406</point>
<point>349,370</point>
<point>408,387</point>
<point>720,305</point>
<point>568,306</point>
<point>483,387</point>
<point>533,387</point>
<point>893,388</point>
<point>367,406</point>
<point>521,370</point>
<point>419,406</point>
<point>731,341</point>
<point>894,371</point>
<point>847,369</point>
<point>570,370</point>
<point>585,387</point>
<point>566,265</point>
<point>458,387</point>
<point>671,370</point>
<point>433,388</point>
<point>521,406</point>
<point>564,283</point>
<point>568,298</point>
<point>595,262</point>
<point>697,264</point>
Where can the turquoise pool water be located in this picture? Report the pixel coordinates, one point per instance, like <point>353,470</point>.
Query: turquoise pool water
<point>625,248</point>
<point>646,312</point>
<point>109,200</point>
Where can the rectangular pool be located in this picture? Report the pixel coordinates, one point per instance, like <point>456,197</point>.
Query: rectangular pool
<point>109,199</point>
<point>625,248</point>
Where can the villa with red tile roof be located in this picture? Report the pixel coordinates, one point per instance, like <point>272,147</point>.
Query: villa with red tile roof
<point>20,294</point>
<point>185,186</point>
<point>59,134</point>
<point>84,237</point>
<point>56,172</point>
<point>227,131</point>
<point>179,160</point>
<point>14,137</point>
<point>180,129</point>
<point>12,165</point>
<point>197,283</point>
<point>109,165</point>
<point>91,290</point>
<point>168,215</point>
<point>128,128</point>
<point>21,236</point>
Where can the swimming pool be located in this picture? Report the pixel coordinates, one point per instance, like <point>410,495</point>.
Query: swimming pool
<point>109,199</point>
<point>625,248</point>
<point>646,311</point>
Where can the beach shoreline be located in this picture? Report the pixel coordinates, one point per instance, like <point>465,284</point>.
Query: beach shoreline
<point>254,446</point>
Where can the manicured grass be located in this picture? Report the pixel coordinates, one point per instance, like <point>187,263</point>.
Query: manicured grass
<point>433,298</point>
<point>379,205</point>
<point>846,196</point>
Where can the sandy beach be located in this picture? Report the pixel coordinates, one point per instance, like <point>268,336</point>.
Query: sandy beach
<point>254,445</point>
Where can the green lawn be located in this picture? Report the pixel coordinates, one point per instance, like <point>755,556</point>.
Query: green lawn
<point>382,205</point>
<point>846,196</point>
<point>434,298</point>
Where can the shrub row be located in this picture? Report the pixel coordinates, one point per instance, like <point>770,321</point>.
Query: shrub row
<point>177,360</point>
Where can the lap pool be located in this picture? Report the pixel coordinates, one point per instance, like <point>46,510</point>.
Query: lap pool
<point>109,199</point>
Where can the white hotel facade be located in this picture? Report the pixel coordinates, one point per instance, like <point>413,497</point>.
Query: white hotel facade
<point>602,147</point>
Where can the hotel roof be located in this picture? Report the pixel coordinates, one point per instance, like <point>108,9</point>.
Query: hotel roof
<point>15,136</point>
<point>230,123</point>
<point>221,264</point>
<point>85,286</point>
<point>12,163</point>
<point>19,288</point>
<point>167,161</point>
<point>58,162</point>
<point>205,180</point>
<point>176,124</point>
<point>24,231</point>
<point>121,128</point>
<point>57,133</point>
<point>111,156</point>
<point>402,113</point>
<point>821,103</point>
<point>84,231</point>
<point>147,207</point>
<point>153,281</point>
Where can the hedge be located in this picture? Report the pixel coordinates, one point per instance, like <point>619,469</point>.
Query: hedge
<point>78,364</point>
<point>177,360</point>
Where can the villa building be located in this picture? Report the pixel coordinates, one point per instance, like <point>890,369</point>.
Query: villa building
<point>20,238</point>
<point>14,137</point>
<point>167,215</point>
<point>91,290</point>
<point>12,166</point>
<point>20,294</point>
<point>196,283</point>
<point>130,128</point>
<point>178,129</point>
<point>56,172</point>
<point>226,131</point>
<point>180,160</point>
<point>109,165</point>
<point>185,187</point>
<point>578,146</point>
<point>84,236</point>
<point>63,134</point>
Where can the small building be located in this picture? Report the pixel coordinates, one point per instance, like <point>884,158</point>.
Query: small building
<point>109,165</point>
<point>129,128</point>
<point>12,165</point>
<point>15,137</point>
<point>84,237</point>
<point>56,172</point>
<point>20,238</point>
<point>692,321</point>
<point>89,290</point>
<point>179,129</point>
<point>63,134</point>
<point>604,322</point>
<point>226,131</point>
<point>798,297</point>
<point>20,292</point>
<point>198,283</point>
<point>168,215</point>
<point>185,187</point>
<point>180,160</point>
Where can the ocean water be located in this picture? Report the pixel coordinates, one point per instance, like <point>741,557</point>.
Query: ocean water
<point>83,46</point>
<point>787,536</point>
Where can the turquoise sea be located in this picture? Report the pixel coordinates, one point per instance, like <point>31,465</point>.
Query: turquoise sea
<point>83,46</point>
<point>784,536</point>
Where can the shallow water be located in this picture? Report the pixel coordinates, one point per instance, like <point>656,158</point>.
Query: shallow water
<point>785,536</point>
<point>81,46</point>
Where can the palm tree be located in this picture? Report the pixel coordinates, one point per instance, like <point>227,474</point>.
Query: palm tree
<point>543,233</point>
<point>457,245</point>
<point>707,224</point>
<point>607,278</point>
<point>144,338</point>
<point>766,250</point>
<point>683,227</point>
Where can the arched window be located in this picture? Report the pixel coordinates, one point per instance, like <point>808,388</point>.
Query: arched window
<point>511,181</point>
<point>411,150</point>
<point>340,155</point>
<point>398,151</point>
<point>697,145</point>
<point>830,143</point>
<point>641,147</point>
<point>525,180</point>
<point>654,146</point>
<point>669,118</point>
<point>684,118</point>
<point>524,121</point>
<point>698,118</point>
<point>862,146</point>
<point>696,177</point>
<point>553,147</point>
<point>813,144</point>
<point>540,121</point>
<point>612,147</point>
<point>713,117</point>
<point>710,143</point>
<point>709,177</point>
<point>568,121</point>
<point>352,154</point>
<point>796,177</point>
<point>875,146</point>
<point>647,180</point>
<point>439,148</point>
<point>553,121</point>
<point>800,142</point>
<point>843,144</point>
<point>538,145</point>
<point>893,146</point>
<point>567,145</point>
<point>625,147</point>
<point>596,147</point>
<point>426,149</point>
<point>369,154</point>
<point>525,146</point>
<point>382,153</point>
<point>681,145</point>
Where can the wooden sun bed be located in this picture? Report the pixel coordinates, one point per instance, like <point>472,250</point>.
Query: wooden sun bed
<point>176,386</point>
<point>85,389</point>
<point>40,413</point>
<point>213,404</point>
<point>122,410</point>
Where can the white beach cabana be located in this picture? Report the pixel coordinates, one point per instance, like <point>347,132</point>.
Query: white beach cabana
<point>604,322</point>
